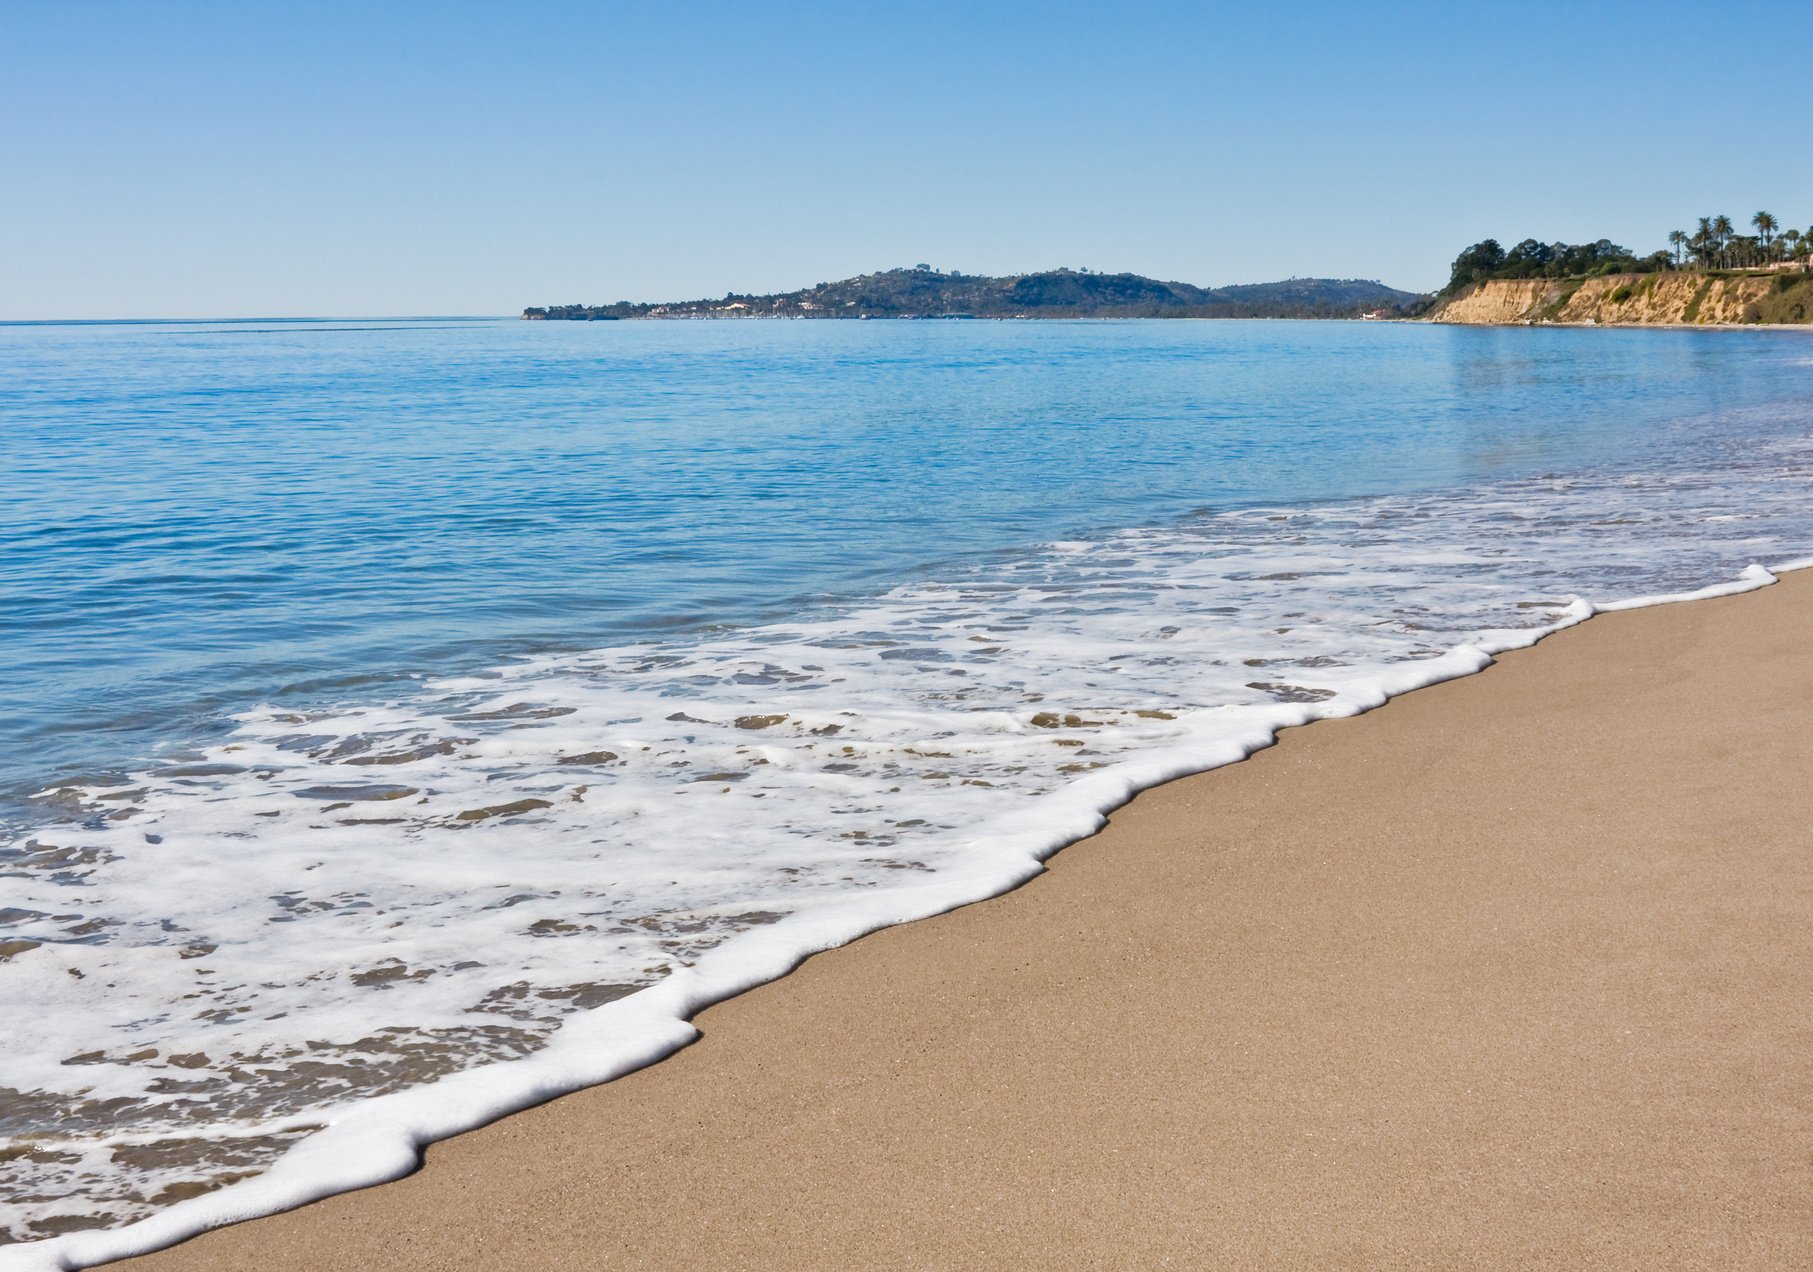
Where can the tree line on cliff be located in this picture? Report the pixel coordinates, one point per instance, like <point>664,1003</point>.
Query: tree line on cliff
<point>1715,244</point>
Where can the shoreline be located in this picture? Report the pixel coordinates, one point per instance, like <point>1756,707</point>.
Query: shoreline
<point>1348,596</point>
<point>1620,326</point>
<point>1427,322</point>
<point>755,1040</point>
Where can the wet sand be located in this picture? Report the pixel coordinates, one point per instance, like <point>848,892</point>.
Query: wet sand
<point>1516,971</point>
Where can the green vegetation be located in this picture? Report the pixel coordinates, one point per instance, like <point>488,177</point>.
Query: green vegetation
<point>1531,259</point>
<point>1790,300</point>
<point>1692,312</point>
<point>1553,309</point>
<point>924,292</point>
<point>1715,244</point>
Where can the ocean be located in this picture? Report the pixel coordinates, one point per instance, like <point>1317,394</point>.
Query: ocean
<point>408,720</point>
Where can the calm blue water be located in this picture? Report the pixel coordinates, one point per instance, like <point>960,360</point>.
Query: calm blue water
<point>201,518</point>
<point>405,720</point>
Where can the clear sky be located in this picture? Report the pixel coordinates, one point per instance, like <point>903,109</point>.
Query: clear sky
<point>392,157</point>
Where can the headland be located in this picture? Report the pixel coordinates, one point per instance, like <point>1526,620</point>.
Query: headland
<point>923,292</point>
<point>1711,299</point>
<point>1713,277</point>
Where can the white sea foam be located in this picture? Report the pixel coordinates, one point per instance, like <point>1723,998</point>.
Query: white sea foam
<point>277,968</point>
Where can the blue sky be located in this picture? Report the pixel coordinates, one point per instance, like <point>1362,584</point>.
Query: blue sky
<point>219,159</point>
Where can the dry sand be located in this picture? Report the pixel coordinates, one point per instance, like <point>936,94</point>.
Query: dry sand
<point>1513,972</point>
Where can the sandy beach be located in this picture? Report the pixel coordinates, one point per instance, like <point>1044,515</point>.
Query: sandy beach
<point>1512,972</point>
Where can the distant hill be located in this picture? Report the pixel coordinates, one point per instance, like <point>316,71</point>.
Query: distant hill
<point>923,292</point>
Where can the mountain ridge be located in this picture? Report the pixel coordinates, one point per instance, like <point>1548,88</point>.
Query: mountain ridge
<point>923,292</point>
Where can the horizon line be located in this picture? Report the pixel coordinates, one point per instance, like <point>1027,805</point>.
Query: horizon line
<point>217,321</point>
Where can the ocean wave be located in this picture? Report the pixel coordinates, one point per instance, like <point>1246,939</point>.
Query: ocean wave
<point>396,919</point>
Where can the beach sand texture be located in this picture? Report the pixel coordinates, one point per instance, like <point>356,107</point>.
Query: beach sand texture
<point>1512,972</point>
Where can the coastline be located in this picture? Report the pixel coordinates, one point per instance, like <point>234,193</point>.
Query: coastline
<point>1619,326</point>
<point>1655,298</point>
<point>1432,322</point>
<point>1506,971</point>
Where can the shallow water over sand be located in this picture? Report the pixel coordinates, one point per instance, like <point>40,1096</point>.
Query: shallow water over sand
<point>385,698</point>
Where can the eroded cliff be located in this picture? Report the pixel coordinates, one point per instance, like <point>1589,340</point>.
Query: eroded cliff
<point>1684,299</point>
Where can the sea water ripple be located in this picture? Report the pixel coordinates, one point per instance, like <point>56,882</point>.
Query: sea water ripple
<point>210,957</point>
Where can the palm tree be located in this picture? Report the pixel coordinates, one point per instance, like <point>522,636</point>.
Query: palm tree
<point>1790,241</point>
<point>1765,229</point>
<point>1704,242</point>
<point>1722,230</point>
<point>1677,239</point>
